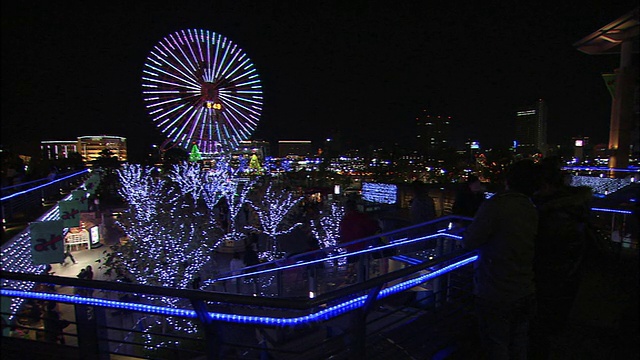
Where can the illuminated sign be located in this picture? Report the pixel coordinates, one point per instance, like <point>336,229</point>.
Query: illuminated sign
<point>213,105</point>
<point>578,143</point>
<point>94,232</point>
<point>525,113</point>
<point>380,193</point>
<point>475,145</point>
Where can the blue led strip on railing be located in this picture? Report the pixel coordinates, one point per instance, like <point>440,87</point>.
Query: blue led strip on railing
<point>413,282</point>
<point>596,168</point>
<point>324,314</point>
<point>334,257</point>
<point>43,185</point>
<point>407,259</point>
<point>81,300</point>
<point>613,211</point>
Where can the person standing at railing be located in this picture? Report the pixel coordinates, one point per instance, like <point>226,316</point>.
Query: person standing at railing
<point>469,198</point>
<point>356,225</point>
<point>504,231</point>
<point>422,208</point>
<point>560,251</point>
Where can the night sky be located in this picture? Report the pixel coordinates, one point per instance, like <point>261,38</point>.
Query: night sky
<point>360,70</point>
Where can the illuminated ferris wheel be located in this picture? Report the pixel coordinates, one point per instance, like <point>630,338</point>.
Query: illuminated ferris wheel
<point>200,88</point>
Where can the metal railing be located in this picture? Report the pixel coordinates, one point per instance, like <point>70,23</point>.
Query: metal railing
<point>31,196</point>
<point>310,306</point>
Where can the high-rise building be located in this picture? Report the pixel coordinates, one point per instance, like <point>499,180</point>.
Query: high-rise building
<point>433,134</point>
<point>58,149</point>
<point>531,129</point>
<point>297,148</point>
<point>90,147</point>
<point>259,147</point>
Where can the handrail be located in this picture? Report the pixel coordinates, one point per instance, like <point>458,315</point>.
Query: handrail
<point>297,303</point>
<point>348,307</point>
<point>321,254</point>
<point>7,197</point>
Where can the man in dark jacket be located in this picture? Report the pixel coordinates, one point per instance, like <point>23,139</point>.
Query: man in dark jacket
<point>504,232</point>
<point>469,198</point>
<point>560,250</point>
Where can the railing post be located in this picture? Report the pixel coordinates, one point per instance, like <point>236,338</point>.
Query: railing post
<point>280,284</point>
<point>437,282</point>
<point>363,267</point>
<point>359,325</point>
<point>312,274</point>
<point>213,343</point>
<point>90,324</point>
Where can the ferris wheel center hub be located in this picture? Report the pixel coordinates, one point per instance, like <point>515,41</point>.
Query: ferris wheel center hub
<point>209,91</point>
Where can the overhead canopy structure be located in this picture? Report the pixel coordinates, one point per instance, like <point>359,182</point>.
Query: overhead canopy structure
<point>609,38</point>
<point>619,37</point>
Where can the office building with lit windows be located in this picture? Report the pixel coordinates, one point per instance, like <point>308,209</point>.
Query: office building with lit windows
<point>89,147</point>
<point>433,134</point>
<point>295,148</point>
<point>58,149</point>
<point>531,129</point>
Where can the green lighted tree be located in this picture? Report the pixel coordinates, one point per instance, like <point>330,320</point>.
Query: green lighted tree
<point>254,163</point>
<point>195,154</point>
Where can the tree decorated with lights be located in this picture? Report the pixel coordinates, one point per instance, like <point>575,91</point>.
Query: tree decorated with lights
<point>235,196</point>
<point>236,200</point>
<point>189,179</point>
<point>141,190</point>
<point>326,228</point>
<point>272,209</point>
<point>172,241</point>
<point>170,237</point>
<point>243,164</point>
<point>218,182</point>
<point>286,165</point>
<point>195,154</point>
<point>254,164</point>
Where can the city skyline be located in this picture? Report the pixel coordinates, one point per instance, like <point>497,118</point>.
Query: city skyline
<point>362,70</point>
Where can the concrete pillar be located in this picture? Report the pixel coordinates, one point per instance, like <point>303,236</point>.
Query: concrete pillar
<point>621,124</point>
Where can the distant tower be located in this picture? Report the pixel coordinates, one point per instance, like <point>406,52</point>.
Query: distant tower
<point>433,134</point>
<point>531,129</point>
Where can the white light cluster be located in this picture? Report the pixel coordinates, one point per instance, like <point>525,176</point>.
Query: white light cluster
<point>326,229</point>
<point>380,193</point>
<point>170,239</point>
<point>140,190</point>
<point>190,179</point>
<point>601,185</point>
<point>219,182</point>
<point>272,209</point>
<point>16,257</point>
